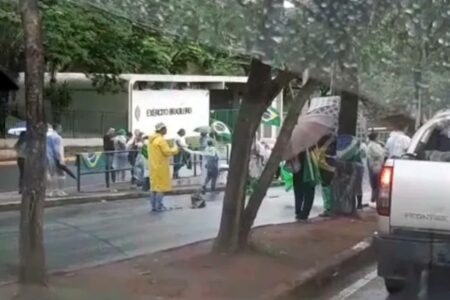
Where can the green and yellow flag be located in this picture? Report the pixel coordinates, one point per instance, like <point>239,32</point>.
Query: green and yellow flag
<point>271,117</point>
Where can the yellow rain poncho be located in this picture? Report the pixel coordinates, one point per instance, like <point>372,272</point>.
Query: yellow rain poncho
<point>159,163</point>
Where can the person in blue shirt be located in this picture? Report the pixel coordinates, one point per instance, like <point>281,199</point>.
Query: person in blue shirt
<point>212,166</point>
<point>55,159</point>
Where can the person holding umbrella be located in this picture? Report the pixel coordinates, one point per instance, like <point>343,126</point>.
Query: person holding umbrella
<point>20,152</point>
<point>182,158</point>
<point>305,178</point>
<point>55,162</point>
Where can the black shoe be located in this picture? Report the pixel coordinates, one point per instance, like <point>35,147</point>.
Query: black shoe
<point>302,220</point>
<point>325,214</point>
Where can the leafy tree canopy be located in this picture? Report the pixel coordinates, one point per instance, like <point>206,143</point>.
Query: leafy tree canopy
<point>88,40</point>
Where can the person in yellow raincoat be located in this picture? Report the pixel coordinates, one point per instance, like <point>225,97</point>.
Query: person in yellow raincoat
<point>159,166</point>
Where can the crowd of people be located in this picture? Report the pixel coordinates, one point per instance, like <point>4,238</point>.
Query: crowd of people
<point>148,158</point>
<point>317,166</point>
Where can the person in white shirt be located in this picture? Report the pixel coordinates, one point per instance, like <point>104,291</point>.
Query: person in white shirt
<point>376,155</point>
<point>181,158</point>
<point>397,144</point>
<point>211,166</point>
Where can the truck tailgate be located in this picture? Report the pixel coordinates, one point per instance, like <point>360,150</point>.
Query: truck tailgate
<point>420,196</point>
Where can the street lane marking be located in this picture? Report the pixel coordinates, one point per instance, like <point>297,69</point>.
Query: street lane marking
<point>352,289</point>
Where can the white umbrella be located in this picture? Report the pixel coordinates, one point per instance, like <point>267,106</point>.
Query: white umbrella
<point>16,130</point>
<point>320,119</point>
<point>307,133</point>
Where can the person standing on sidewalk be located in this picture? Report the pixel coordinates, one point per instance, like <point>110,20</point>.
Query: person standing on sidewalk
<point>108,147</point>
<point>159,166</point>
<point>211,166</point>
<point>325,153</point>
<point>359,169</point>
<point>397,144</point>
<point>180,159</point>
<point>203,141</point>
<point>55,159</point>
<point>141,168</point>
<point>305,181</point>
<point>375,160</point>
<point>20,148</point>
<point>120,162</point>
<point>134,145</point>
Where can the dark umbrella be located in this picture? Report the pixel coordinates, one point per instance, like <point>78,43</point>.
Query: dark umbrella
<point>66,169</point>
<point>6,82</point>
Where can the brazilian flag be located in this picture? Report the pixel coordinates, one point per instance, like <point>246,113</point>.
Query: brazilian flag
<point>271,117</point>
<point>311,173</point>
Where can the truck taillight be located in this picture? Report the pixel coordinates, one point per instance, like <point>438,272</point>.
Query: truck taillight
<point>384,192</point>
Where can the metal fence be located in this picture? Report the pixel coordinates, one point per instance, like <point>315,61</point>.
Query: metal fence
<point>103,162</point>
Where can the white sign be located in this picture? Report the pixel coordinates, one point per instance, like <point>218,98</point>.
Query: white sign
<point>187,109</point>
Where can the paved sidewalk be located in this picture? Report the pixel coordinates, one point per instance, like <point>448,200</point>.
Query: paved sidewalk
<point>101,232</point>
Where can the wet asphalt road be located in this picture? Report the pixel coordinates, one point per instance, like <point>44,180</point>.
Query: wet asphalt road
<point>9,175</point>
<point>83,235</point>
<point>366,285</point>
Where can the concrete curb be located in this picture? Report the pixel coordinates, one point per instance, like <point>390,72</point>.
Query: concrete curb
<point>316,277</point>
<point>12,161</point>
<point>15,205</point>
<point>84,199</point>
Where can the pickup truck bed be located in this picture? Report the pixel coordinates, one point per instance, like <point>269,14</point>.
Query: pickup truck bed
<point>414,210</point>
<point>420,196</point>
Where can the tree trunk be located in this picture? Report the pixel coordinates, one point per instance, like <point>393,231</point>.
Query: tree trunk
<point>344,197</point>
<point>3,112</point>
<point>276,157</point>
<point>32,271</point>
<point>252,107</point>
<point>53,93</point>
<point>348,114</point>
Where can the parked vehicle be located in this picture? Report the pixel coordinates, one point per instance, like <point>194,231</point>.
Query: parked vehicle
<point>414,207</point>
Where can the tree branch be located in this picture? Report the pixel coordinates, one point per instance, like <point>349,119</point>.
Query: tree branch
<point>279,83</point>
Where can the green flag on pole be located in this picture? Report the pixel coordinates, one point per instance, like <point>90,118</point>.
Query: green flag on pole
<point>271,117</point>
<point>93,161</point>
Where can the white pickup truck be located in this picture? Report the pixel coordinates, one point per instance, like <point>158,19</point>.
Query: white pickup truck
<point>414,208</point>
